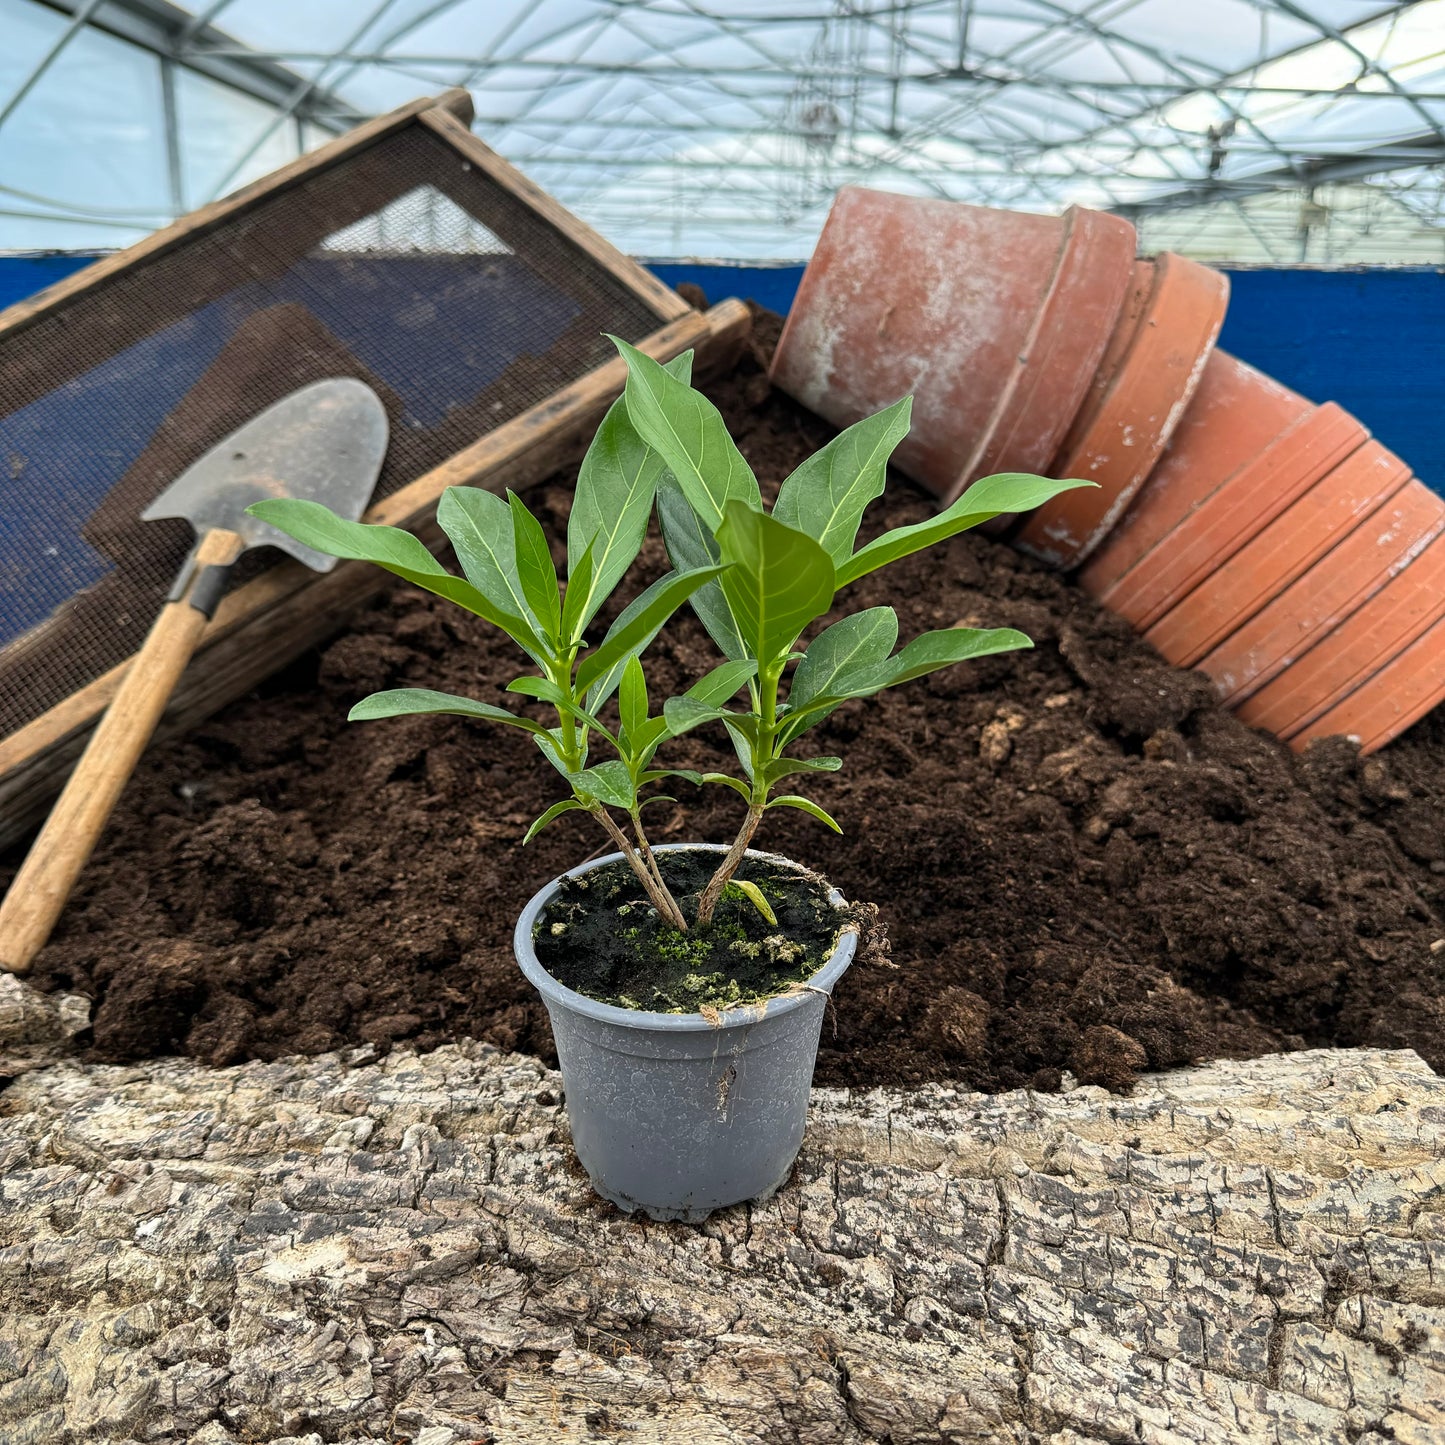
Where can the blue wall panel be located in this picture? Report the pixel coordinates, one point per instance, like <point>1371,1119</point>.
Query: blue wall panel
<point>1372,340</point>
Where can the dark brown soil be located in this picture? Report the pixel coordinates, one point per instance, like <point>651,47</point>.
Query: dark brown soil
<point>1084,863</point>
<point>601,937</point>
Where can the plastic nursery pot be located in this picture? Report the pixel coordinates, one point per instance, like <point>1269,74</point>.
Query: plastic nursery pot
<point>1341,582</point>
<point>1246,449</point>
<point>1150,372</point>
<point>1308,530</point>
<point>994,321</point>
<point>673,1115</point>
<point>1309,698</point>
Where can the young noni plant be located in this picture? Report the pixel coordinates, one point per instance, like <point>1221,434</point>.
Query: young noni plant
<point>757,580</point>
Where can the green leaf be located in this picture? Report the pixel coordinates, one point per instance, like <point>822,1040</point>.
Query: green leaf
<point>828,494</point>
<point>403,701</point>
<point>545,690</point>
<point>986,498</point>
<point>729,782</point>
<point>781,768</point>
<point>655,798</point>
<point>853,644</point>
<point>624,638</point>
<point>685,713</point>
<point>933,650</point>
<point>574,600</point>
<point>632,699</point>
<point>688,431</point>
<point>691,545</point>
<point>792,800</point>
<point>479,525</point>
<point>924,654</point>
<point>397,551</point>
<point>609,783</point>
<point>534,568</point>
<point>754,895</point>
<point>780,580</point>
<point>721,684</point>
<point>567,805</point>
<point>612,499</point>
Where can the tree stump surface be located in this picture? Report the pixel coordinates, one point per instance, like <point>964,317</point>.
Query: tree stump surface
<point>404,1249</point>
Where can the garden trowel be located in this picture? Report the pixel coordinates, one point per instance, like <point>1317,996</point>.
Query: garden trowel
<point>324,443</point>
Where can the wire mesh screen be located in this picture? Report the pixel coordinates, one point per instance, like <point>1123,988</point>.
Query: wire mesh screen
<point>404,266</point>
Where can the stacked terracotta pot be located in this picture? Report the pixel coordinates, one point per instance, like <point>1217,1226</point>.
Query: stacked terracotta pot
<point>1240,528</point>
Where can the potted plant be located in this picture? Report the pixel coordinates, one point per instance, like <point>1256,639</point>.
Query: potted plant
<point>686,984</point>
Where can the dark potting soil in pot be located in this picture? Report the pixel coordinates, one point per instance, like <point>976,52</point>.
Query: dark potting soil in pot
<point>1084,863</point>
<point>601,937</point>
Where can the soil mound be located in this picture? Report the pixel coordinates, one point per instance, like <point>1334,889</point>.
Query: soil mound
<point>1083,863</point>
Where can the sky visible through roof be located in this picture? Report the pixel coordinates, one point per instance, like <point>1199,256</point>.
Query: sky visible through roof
<point>687,128</point>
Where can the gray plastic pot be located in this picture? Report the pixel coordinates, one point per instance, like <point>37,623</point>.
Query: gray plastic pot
<point>672,1115</point>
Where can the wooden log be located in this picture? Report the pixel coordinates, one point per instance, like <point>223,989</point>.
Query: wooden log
<point>339,1248</point>
<point>405,1250</point>
<point>288,609</point>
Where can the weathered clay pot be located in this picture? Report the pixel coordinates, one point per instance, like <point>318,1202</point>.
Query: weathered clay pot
<point>1408,686</point>
<point>1246,449</point>
<point>1150,372</point>
<point>994,321</point>
<point>1308,530</point>
<point>1342,581</point>
<point>1313,690</point>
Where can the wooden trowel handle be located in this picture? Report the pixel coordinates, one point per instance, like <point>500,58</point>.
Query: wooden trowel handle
<point>43,884</point>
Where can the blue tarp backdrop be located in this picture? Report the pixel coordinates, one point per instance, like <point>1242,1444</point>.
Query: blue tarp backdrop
<point>1372,340</point>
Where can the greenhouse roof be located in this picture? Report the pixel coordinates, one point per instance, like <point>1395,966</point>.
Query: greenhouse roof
<point>682,127</point>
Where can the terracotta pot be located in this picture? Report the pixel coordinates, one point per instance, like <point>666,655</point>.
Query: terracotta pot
<point>1347,657</point>
<point>1397,696</point>
<point>993,320</point>
<point>1150,372</point>
<point>1235,414</point>
<point>1330,591</point>
<point>1196,514</point>
<point>1306,531</point>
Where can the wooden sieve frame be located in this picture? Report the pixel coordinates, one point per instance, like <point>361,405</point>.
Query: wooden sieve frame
<point>276,616</point>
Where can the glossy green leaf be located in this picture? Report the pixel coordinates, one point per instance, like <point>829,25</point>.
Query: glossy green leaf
<point>828,494</point>
<point>685,713</point>
<point>722,683</point>
<point>792,800</point>
<point>691,545</point>
<point>781,768</point>
<point>545,690</point>
<point>755,896</point>
<point>479,526</point>
<point>632,699</point>
<point>398,552</point>
<point>625,638</point>
<point>609,783</point>
<point>728,782</point>
<point>575,599</point>
<point>933,650</point>
<point>536,571</point>
<point>403,701</point>
<point>567,805</point>
<point>851,645</point>
<point>612,500</point>
<point>688,431</point>
<point>780,580</point>
<point>986,498</point>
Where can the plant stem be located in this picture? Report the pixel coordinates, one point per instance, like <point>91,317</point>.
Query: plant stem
<point>719,880</point>
<point>645,848</point>
<point>655,889</point>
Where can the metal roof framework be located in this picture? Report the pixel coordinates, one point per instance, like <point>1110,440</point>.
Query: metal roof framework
<point>725,126</point>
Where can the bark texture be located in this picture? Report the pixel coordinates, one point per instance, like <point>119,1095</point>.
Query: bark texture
<point>339,1248</point>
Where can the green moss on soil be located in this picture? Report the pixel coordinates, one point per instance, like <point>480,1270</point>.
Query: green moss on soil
<point>602,938</point>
